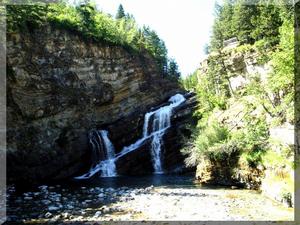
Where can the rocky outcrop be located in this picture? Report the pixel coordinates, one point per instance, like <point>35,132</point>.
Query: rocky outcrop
<point>240,66</point>
<point>229,170</point>
<point>60,86</point>
<point>137,162</point>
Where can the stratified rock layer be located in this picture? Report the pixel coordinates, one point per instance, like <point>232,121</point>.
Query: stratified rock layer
<point>60,86</point>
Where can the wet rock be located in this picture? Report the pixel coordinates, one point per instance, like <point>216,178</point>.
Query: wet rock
<point>130,164</point>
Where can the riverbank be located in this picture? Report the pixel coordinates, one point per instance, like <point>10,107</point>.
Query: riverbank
<point>161,202</point>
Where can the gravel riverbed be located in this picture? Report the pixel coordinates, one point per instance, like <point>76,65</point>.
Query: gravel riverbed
<point>58,204</point>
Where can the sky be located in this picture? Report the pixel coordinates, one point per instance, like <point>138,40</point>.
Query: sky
<point>184,25</point>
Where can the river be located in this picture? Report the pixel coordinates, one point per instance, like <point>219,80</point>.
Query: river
<point>156,197</point>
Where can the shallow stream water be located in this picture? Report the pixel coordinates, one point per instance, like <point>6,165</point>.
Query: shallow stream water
<point>156,197</point>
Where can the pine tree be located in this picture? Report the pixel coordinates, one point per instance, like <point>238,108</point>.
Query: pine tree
<point>121,13</point>
<point>173,70</point>
<point>242,20</point>
<point>222,27</point>
<point>157,47</point>
<point>267,23</point>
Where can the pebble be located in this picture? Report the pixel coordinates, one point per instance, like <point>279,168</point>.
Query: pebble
<point>46,202</point>
<point>53,208</point>
<point>70,207</point>
<point>28,198</point>
<point>48,215</point>
<point>65,215</point>
<point>43,187</point>
<point>110,190</point>
<point>97,214</point>
<point>105,209</point>
<point>137,204</point>
<point>101,195</point>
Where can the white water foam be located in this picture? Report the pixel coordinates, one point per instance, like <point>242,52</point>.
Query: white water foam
<point>107,166</point>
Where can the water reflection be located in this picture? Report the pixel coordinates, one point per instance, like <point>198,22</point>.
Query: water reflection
<point>157,180</point>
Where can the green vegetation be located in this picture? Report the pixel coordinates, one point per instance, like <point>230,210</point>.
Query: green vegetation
<point>92,24</point>
<point>248,22</point>
<point>240,119</point>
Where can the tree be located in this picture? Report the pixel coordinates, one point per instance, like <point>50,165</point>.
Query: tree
<point>242,20</point>
<point>88,12</point>
<point>222,27</point>
<point>25,16</point>
<point>225,18</point>
<point>156,47</point>
<point>267,23</point>
<point>281,80</point>
<point>206,49</point>
<point>173,70</point>
<point>121,13</point>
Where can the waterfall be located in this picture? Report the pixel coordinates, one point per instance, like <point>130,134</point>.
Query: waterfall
<point>161,121</point>
<point>155,124</point>
<point>109,167</point>
<point>103,155</point>
<point>98,152</point>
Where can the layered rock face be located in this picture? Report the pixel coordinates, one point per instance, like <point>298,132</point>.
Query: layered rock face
<point>60,86</point>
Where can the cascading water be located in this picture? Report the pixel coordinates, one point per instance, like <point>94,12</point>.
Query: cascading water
<point>155,125</point>
<point>109,167</point>
<point>101,146</point>
<point>161,121</point>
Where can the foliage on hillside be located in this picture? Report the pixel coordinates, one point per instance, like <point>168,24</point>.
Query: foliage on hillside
<point>258,100</point>
<point>259,20</point>
<point>92,24</point>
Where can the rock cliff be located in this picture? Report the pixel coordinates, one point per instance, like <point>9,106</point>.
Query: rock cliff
<point>60,86</point>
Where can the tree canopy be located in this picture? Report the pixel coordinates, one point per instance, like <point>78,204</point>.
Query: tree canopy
<point>247,22</point>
